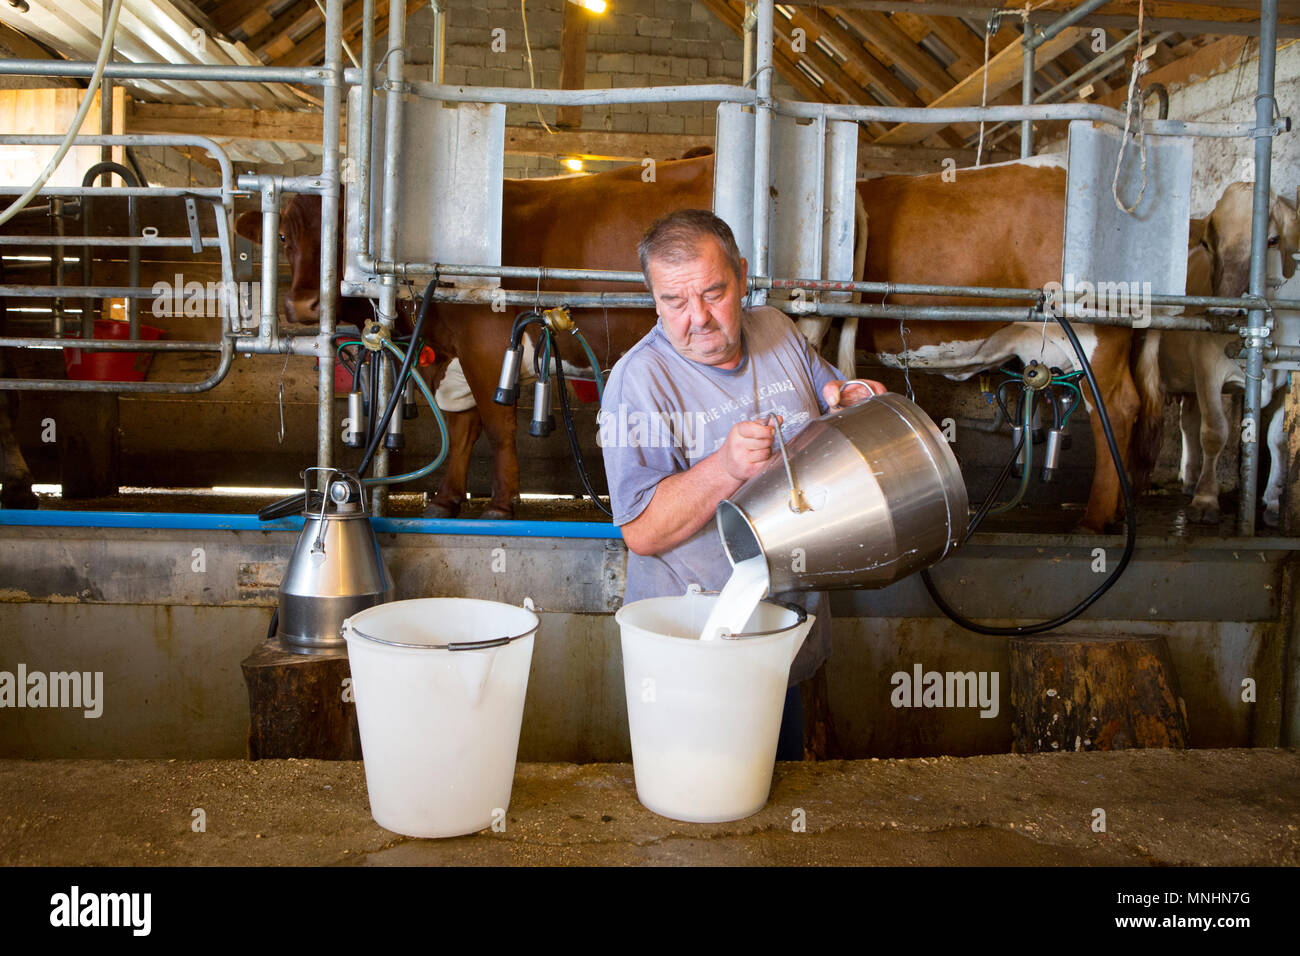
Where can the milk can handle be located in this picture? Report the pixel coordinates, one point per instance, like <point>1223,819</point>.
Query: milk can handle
<point>855,381</point>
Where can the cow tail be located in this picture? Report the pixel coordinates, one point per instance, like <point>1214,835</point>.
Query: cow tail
<point>1149,431</point>
<point>846,358</point>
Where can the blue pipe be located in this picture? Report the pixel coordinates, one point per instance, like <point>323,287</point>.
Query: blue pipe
<point>214,522</point>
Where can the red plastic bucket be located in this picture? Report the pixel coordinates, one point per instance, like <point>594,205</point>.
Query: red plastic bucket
<point>88,365</point>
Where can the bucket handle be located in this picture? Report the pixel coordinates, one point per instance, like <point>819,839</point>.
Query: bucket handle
<point>857,381</point>
<point>464,645</point>
<point>801,615</point>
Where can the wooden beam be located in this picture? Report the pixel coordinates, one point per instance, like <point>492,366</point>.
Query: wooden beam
<point>785,66</point>
<point>573,61</point>
<point>860,64</point>
<point>1205,62</point>
<point>275,39</point>
<point>283,126</point>
<point>230,15</point>
<point>1003,73</point>
<point>959,38</point>
<point>876,160</point>
<point>599,145</point>
<point>311,48</point>
<point>900,48</point>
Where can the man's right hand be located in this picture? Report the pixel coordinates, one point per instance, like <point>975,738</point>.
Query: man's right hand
<point>747,448</point>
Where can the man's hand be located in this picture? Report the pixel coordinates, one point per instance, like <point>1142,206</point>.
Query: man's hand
<point>747,448</point>
<point>838,395</point>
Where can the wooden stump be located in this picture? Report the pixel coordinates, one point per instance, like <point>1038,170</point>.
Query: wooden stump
<point>296,705</point>
<point>820,740</point>
<point>88,444</point>
<point>1104,692</point>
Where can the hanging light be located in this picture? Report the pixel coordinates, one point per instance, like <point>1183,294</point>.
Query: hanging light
<point>595,6</point>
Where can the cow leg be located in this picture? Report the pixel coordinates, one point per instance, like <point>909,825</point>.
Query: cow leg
<point>1189,424</point>
<point>1111,368</point>
<point>463,429</point>
<point>481,361</point>
<point>1277,465</point>
<point>1204,508</point>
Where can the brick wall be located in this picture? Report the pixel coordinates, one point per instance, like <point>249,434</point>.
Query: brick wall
<point>635,43</point>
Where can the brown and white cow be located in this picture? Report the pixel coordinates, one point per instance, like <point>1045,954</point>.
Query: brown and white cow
<point>1195,366</point>
<point>995,226</point>
<point>999,225</point>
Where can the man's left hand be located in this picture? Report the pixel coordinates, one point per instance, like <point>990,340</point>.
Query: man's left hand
<point>838,395</point>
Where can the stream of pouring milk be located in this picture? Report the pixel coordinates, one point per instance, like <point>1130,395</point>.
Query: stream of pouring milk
<point>747,586</point>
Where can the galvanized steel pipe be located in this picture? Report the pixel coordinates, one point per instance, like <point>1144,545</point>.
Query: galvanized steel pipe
<point>1256,336</point>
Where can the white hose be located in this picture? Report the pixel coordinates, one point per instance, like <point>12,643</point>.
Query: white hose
<point>105,49</point>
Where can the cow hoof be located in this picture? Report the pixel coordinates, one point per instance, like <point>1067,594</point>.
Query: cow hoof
<point>1203,513</point>
<point>1272,517</point>
<point>497,514</point>
<point>436,510</point>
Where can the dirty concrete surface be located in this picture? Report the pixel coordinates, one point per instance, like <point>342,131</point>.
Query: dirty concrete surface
<point>1162,807</point>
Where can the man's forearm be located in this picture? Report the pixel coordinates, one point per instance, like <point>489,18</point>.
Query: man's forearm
<point>682,504</point>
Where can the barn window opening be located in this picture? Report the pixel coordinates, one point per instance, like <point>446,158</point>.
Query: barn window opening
<point>66,259</point>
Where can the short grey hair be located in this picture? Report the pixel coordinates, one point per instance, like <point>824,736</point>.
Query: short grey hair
<point>674,239</point>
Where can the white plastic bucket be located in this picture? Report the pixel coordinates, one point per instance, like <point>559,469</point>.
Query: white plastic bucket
<point>440,726</point>
<point>704,716</point>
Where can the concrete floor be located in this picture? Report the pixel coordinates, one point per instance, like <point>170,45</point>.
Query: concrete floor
<point>1215,807</point>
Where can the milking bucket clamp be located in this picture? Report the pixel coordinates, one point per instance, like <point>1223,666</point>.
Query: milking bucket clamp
<point>336,569</point>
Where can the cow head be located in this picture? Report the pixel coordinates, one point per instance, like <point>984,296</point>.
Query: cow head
<point>1227,236</point>
<point>300,243</point>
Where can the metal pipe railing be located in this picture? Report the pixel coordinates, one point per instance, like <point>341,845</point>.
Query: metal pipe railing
<point>763,115</point>
<point>438,270</point>
<point>306,75</point>
<point>329,225</point>
<point>130,139</point>
<point>169,242</point>
<point>1256,333</point>
<point>225,346</point>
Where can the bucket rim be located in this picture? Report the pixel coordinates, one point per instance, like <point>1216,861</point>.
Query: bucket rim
<point>801,615</point>
<point>349,628</point>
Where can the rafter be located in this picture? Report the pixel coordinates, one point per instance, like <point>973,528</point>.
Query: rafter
<point>901,49</point>
<point>867,67</point>
<point>1003,73</point>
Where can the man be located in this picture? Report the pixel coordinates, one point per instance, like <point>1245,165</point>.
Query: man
<point>687,417</point>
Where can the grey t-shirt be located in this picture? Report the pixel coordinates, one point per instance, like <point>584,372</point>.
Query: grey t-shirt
<point>662,413</point>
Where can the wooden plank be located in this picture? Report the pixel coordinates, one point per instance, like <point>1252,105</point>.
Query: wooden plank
<point>1003,73</point>
<point>311,48</point>
<point>274,39</point>
<point>876,160</point>
<point>1205,62</point>
<point>860,64</point>
<point>959,38</point>
<point>781,60</point>
<point>229,15</point>
<point>600,144</point>
<point>50,111</point>
<point>278,125</point>
<point>573,61</point>
<point>909,58</point>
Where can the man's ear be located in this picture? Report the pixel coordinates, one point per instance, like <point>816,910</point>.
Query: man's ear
<point>744,274</point>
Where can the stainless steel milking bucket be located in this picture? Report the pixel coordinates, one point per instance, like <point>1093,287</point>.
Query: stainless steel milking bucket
<point>860,498</point>
<point>336,569</point>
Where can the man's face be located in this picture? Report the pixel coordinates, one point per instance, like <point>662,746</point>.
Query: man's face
<point>699,303</point>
